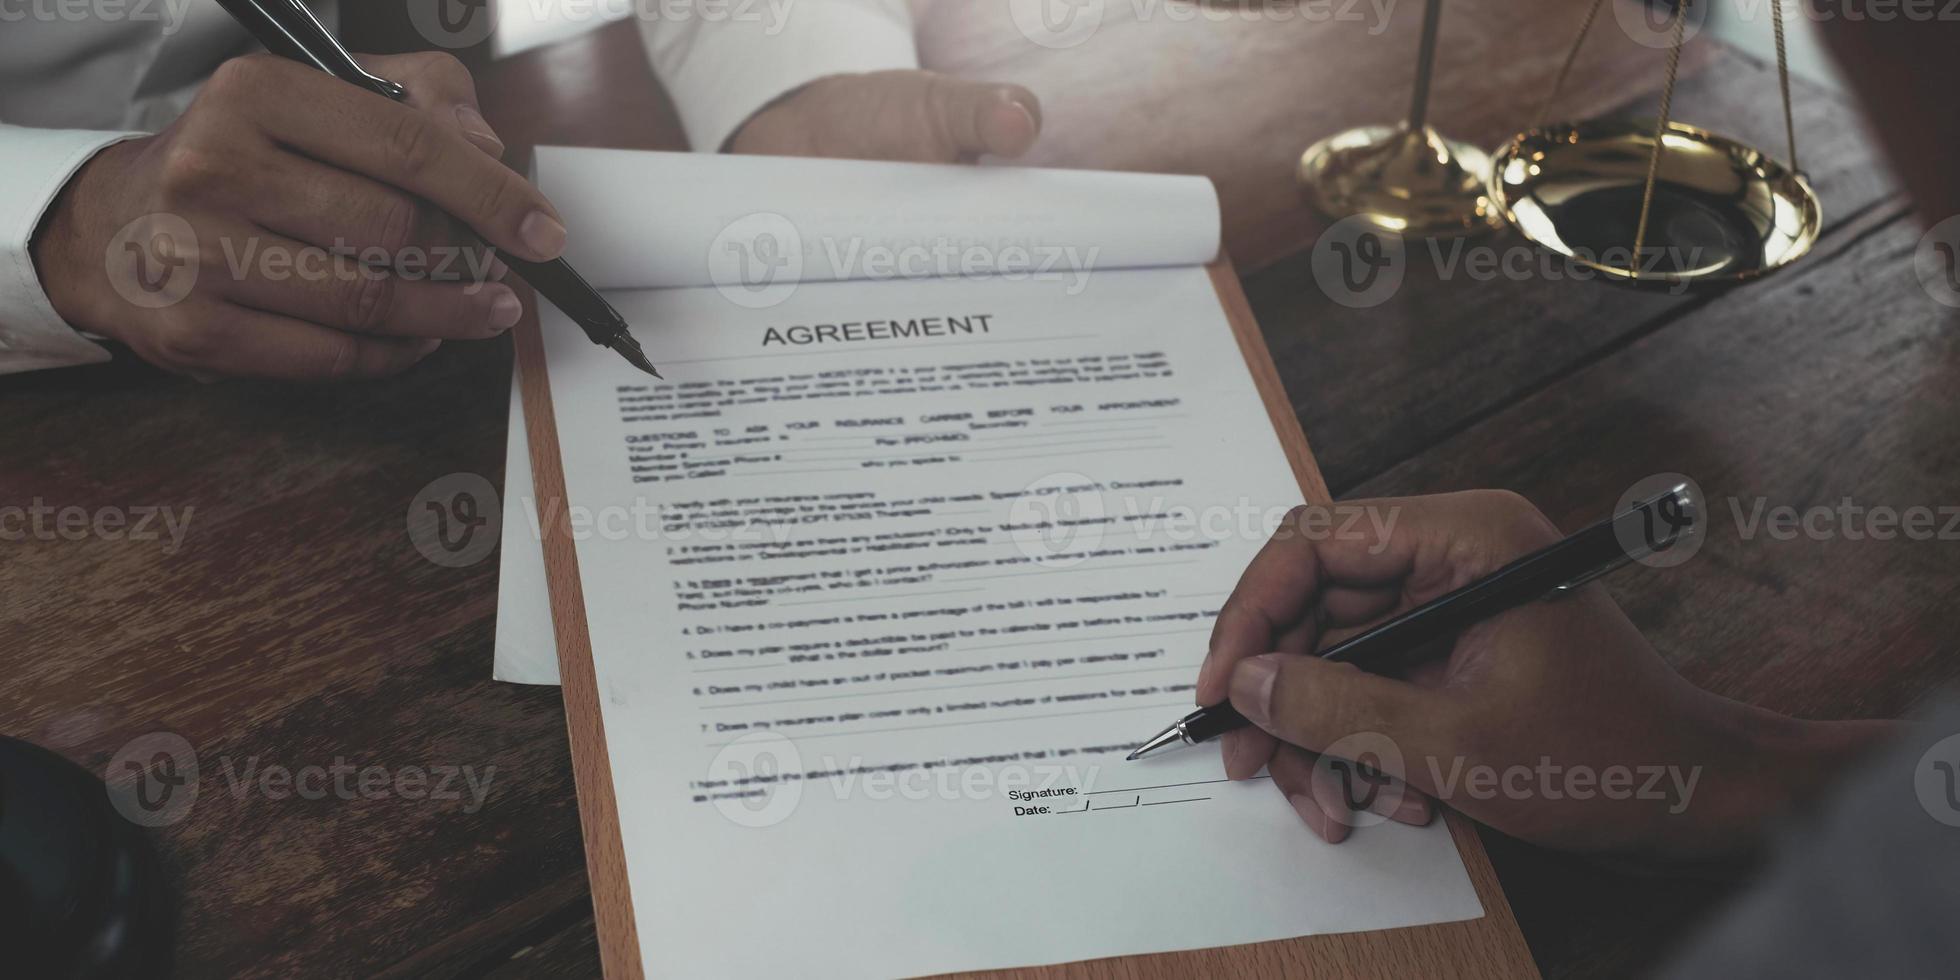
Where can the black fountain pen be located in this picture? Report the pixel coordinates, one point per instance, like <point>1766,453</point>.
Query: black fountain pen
<point>1647,528</point>
<point>288,29</point>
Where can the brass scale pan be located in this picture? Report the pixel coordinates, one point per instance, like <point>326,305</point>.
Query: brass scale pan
<point>1697,207</point>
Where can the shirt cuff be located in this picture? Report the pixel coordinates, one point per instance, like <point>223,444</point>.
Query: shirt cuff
<point>38,163</point>
<point>720,72</point>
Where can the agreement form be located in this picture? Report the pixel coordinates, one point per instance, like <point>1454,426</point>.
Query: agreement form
<point>887,577</point>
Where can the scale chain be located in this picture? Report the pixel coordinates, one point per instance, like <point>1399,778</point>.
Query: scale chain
<point>1660,135</point>
<point>1783,83</point>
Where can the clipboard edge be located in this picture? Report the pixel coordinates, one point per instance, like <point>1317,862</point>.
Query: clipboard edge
<point>598,810</point>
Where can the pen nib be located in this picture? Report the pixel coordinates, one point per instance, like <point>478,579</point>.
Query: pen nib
<point>629,348</point>
<point>1169,736</point>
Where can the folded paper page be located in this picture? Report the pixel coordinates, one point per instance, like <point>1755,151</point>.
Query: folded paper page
<point>747,223</point>
<point>885,580</point>
<point>750,226</point>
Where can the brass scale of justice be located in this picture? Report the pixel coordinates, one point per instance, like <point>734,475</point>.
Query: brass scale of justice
<point>1603,194</point>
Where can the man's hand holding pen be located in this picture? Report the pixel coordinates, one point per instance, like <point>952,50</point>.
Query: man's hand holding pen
<point>290,183</point>
<point>1560,688</point>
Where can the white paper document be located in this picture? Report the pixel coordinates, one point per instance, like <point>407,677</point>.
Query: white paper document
<point>526,649</point>
<point>887,576</point>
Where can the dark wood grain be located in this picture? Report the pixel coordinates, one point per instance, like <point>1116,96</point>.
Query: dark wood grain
<point>298,625</point>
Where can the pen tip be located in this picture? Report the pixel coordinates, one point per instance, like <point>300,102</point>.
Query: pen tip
<point>630,349</point>
<point>1169,736</point>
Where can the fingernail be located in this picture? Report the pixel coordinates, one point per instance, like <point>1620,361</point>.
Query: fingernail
<point>1413,810</point>
<point>1010,129</point>
<point>1252,687</point>
<point>478,130</point>
<point>505,309</point>
<point>543,234</point>
<point>1204,671</point>
<point>1025,101</point>
<point>1034,123</point>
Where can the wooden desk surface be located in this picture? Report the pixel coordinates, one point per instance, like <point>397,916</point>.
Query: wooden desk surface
<point>297,625</point>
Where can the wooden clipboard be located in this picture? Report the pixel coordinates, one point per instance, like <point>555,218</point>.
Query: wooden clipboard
<point>1486,947</point>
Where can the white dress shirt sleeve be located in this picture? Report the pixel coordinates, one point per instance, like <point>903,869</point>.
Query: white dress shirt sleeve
<point>721,63</point>
<point>37,164</point>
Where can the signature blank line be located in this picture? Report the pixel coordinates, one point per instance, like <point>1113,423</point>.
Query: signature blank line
<point>694,465</point>
<point>1089,639</point>
<point>976,721</point>
<point>1078,452</point>
<point>1083,529</point>
<point>833,469</point>
<point>1145,789</point>
<point>716,670</point>
<point>1085,567</point>
<point>1132,418</point>
<point>1139,433</point>
<point>947,687</point>
<point>952,449</point>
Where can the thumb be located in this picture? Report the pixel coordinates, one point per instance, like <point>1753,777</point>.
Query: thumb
<point>969,119</point>
<point>1314,704</point>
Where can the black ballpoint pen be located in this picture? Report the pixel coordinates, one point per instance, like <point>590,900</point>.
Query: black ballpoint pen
<point>1648,527</point>
<point>289,30</point>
